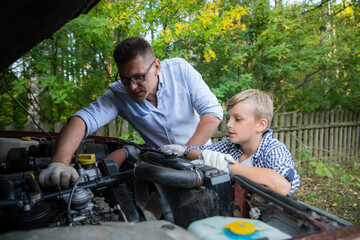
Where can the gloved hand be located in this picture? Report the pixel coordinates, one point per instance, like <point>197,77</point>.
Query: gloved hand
<point>174,147</point>
<point>58,174</point>
<point>217,160</point>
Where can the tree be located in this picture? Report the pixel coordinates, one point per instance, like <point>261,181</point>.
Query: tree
<point>306,54</point>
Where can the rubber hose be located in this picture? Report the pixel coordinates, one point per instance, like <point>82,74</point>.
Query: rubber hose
<point>168,176</point>
<point>118,156</point>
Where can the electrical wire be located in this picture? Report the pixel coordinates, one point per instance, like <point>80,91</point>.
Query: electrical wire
<point>25,110</point>
<point>72,192</point>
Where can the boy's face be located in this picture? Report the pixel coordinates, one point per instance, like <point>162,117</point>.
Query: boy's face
<point>242,125</point>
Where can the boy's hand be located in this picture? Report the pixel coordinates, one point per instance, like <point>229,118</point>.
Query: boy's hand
<point>217,160</point>
<point>174,147</point>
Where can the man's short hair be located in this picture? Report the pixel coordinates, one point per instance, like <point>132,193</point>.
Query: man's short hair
<point>262,103</point>
<point>132,47</point>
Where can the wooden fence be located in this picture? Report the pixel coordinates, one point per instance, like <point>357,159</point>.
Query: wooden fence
<point>327,135</point>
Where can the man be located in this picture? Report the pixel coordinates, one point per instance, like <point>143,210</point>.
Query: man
<point>161,100</point>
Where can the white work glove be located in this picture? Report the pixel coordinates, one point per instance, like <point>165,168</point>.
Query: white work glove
<point>215,159</point>
<point>174,147</point>
<point>58,174</point>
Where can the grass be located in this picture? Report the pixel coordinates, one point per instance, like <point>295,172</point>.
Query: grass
<point>333,187</point>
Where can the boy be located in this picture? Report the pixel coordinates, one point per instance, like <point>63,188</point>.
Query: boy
<point>259,156</point>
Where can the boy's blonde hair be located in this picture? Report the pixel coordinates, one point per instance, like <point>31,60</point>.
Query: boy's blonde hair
<point>262,103</point>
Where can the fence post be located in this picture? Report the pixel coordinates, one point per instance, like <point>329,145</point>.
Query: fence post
<point>332,136</point>
<point>300,135</point>
<point>287,121</point>
<point>345,136</point>
<point>321,135</point>
<point>275,124</point>
<point>282,121</point>
<point>356,148</point>
<point>123,127</point>
<point>336,137</point>
<point>112,128</point>
<point>30,127</point>
<point>306,121</point>
<point>58,126</point>
<point>316,137</point>
<point>100,131</point>
<point>294,136</point>
<point>311,135</point>
<point>10,127</point>
<point>44,126</point>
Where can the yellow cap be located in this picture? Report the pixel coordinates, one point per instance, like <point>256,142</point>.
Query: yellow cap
<point>245,228</point>
<point>30,175</point>
<point>86,159</point>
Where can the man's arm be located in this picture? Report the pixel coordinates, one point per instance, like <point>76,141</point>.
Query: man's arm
<point>205,129</point>
<point>263,176</point>
<point>69,140</point>
<point>59,171</point>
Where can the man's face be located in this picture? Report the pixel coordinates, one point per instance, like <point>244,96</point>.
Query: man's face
<point>137,67</point>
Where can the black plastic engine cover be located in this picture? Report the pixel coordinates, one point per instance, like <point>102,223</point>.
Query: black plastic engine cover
<point>183,206</point>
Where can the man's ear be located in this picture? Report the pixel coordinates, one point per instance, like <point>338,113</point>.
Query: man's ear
<point>157,66</point>
<point>262,125</point>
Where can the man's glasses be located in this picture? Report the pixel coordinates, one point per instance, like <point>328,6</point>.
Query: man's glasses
<point>135,79</point>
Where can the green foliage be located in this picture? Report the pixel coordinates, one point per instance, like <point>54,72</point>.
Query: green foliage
<point>132,137</point>
<point>335,187</point>
<point>311,197</point>
<point>321,169</point>
<point>304,153</point>
<point>304,53</point>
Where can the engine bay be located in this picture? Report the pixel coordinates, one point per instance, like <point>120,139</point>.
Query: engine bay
<point>121,181</point>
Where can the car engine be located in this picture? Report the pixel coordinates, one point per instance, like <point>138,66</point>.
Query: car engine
<point>149,185</point>
<point>125,182</point>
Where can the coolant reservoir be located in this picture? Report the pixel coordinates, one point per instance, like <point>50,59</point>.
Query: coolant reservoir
<point>224,228</point>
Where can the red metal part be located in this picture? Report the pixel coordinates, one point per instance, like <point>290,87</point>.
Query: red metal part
<point>117,156</point>
<point>240,194</point>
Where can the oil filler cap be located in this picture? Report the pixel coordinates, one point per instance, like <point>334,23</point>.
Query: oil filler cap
<point>242,227</point>
<point>86,159</point>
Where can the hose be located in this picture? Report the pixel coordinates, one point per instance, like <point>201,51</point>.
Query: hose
<point>168,176</point>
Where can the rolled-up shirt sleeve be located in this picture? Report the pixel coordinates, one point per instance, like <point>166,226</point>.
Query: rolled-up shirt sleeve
<point>203,100</point>
<point>279,160</point>
<point>98,113</point>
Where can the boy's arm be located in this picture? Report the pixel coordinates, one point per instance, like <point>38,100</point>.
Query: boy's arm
<point>263,176</point>
<point>193,154</point>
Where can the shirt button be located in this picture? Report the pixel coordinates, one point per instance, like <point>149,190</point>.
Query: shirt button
<point>169,130</point>
<point>160,98</point>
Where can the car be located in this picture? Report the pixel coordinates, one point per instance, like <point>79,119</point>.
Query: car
<point>141,185</point>
<point>127,190</point>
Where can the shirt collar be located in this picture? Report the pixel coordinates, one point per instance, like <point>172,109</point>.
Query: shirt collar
<point>267,136</point>
<point>161,81</point>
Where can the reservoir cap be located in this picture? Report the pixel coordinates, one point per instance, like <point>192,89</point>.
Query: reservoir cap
<point>242,227</point>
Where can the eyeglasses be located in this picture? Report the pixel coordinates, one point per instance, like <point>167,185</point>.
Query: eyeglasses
<point>135,79</point>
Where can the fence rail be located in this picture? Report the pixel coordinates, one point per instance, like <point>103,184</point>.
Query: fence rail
<point>328,135</point>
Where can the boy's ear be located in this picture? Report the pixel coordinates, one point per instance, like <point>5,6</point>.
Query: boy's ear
<point>262,125</point>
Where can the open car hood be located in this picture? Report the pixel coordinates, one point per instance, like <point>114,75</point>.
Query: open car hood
<point>25,23</point>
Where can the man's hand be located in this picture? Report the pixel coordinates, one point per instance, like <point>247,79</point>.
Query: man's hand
<point>58,174</point>
<point>217,160</point>
<point>174,147</point>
